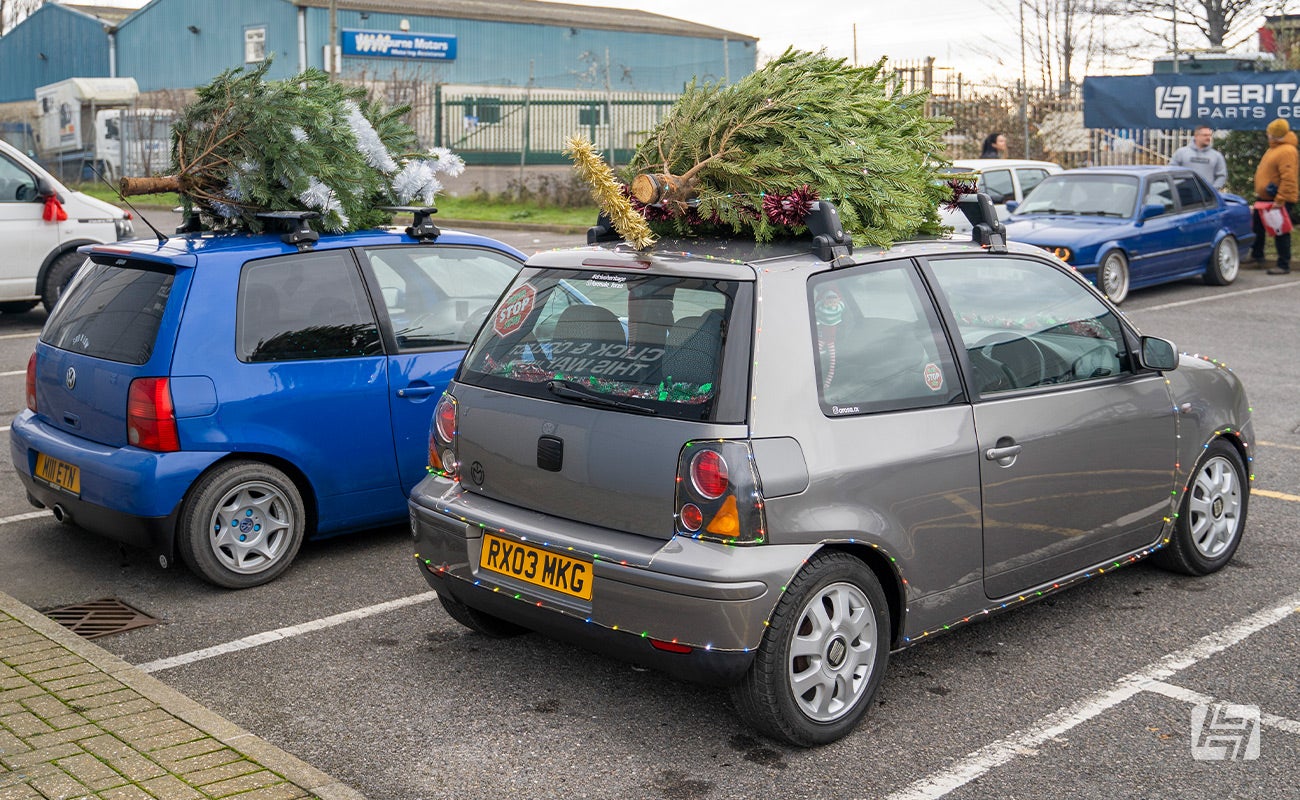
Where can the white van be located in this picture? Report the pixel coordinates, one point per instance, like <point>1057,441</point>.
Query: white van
<point>38,258</point>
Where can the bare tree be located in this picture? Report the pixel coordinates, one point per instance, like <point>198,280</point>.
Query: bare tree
<point>1214,19</point>
<point>1062,39</point>
<point>13,12</point>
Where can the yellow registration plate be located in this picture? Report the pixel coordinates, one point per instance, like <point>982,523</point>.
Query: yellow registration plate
<point>534,565</point>
<point>58,473</point>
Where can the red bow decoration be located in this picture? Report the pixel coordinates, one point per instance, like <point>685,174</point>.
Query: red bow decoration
<point>54,210</point>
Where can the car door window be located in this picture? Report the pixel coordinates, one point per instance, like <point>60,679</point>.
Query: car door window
<point>1189,192</point>
<point>304,306</point>
<point>998,180</point>
<point>438,296</point>
<point>1159,194</point>
<point>1029,178</point>
<point>877,342</point>
<point>1026,324</point>
<point>16,184</point>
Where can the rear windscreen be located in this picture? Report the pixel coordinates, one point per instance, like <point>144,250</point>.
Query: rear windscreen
<point>638,343</point>
<point>111,312</point>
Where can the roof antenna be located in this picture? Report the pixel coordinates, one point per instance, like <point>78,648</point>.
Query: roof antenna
<point>161,239</point>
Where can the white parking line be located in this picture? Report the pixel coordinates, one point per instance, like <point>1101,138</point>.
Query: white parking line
<point>284,633</point>
<point>1278,444</point>
<point>1196,698</point>
<point>1000,752</point>
<point>21,517</point>
<point>20,335</point>
<point>13,373</point>
<point>1221,296</point>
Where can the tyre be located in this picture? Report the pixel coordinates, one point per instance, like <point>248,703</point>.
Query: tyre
<point>822,656</point>
<point>1225,263</point>
<point>17,306</point>
<point>241,524</point>
<point>1212,514</point>
<point>1112,276</point>
<point>478,621</point>
<point>58,275</point>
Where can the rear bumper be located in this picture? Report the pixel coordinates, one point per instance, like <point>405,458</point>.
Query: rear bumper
<point>127,494</point>
<point>714,598</point>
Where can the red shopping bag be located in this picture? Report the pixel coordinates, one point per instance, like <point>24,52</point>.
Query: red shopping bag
<point>1275,220</point>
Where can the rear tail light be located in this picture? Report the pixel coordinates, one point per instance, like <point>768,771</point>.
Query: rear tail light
<point>718,494</point>
<point>709,474</point>
<point>31,383</point>
<point>442,439</point>
<point>150,416</point>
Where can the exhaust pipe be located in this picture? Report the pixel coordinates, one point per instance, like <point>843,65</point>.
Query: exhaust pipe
<point>61,514</point>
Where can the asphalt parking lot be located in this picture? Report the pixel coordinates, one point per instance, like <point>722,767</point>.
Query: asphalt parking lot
<point>349,663</point>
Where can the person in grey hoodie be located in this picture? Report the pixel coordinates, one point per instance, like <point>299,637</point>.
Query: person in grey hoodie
<point>1201,157</point>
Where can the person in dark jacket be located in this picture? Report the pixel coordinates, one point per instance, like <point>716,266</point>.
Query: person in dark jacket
<point>995,146</point>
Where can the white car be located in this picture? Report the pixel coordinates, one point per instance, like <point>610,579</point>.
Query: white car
<point>38,258</point>
<point>1002,179</point>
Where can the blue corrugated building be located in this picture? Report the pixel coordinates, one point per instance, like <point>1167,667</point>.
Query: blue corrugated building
<point>180,44</point>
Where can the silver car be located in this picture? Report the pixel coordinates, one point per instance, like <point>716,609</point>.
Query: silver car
<point>768,466</point>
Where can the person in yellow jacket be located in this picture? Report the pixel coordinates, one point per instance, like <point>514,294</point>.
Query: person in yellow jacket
<point>1276,181</point>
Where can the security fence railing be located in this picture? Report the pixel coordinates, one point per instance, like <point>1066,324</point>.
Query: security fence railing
<point>520,126</point>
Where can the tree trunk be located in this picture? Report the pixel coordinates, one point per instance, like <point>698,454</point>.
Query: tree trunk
<point>153,185</point>
<point>651,189</point>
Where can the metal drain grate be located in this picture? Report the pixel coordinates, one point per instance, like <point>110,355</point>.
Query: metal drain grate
<point>100,618</point>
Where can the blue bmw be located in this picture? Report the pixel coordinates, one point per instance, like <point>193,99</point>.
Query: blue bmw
<point>1133,226</point>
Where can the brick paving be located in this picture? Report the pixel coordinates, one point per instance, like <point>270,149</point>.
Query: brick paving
<point>78,722</point>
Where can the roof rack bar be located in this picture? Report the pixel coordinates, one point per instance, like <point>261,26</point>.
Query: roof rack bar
<point>422,228</point>
<point>986,229</point>
<point>830,242</point>
<point>299,231</point>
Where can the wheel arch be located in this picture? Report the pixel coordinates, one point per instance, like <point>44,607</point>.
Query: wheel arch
<point>891,582</point>
<point>299,478</point>
<point>54,255</point>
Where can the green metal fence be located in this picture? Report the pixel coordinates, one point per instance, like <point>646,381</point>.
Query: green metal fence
<point>530,127</point>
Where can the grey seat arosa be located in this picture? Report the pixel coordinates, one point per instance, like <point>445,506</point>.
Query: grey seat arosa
<point>767,466</point>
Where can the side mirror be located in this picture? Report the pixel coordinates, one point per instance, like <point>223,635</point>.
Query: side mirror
<point>1159,354</point>
<point>1152,210</point>
<point>44,188</point>
<point>1012,205</point>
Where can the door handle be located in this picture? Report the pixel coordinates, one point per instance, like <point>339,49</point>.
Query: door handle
<point>417,391</point>
<point>1000,453</point>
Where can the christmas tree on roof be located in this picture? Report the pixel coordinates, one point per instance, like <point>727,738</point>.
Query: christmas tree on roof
<point>749,157</point>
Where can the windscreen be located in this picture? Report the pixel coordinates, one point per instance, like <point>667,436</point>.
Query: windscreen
<point>1088,195</point>
<point>649,344</point>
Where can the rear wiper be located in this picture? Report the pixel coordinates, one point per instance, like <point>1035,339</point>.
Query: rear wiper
<point>577,391</point>
<point>1099,214</point>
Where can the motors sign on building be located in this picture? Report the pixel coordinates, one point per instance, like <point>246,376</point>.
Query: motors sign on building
<point>396,44</point>
<point>1227,101</point>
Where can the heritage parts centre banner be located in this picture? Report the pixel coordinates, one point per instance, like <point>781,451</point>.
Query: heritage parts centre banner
<point>1227,101</point>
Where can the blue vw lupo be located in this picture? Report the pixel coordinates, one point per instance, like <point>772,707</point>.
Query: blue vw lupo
<point>222,396</point>
<point>1129,227</point>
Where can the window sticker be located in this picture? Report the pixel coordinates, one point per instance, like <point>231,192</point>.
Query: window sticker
<point>933,377</point>
<point>514,310</point>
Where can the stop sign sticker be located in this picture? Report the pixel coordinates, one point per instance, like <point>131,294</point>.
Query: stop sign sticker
<point>514,310</point>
